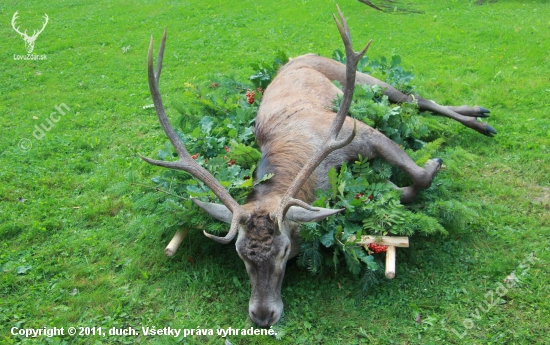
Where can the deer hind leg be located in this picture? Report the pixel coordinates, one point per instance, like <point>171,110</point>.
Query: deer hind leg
<point>470,111</point>
<point>466,115</point>
<point>463,114</point>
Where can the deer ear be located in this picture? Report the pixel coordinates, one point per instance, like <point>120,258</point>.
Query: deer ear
<point>220,212</point>
<point>301,215</point>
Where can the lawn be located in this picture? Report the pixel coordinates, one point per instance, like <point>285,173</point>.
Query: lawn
<point>82,241</point>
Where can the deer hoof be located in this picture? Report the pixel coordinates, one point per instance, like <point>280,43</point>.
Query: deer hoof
<point>490,131</point>
<point>483,112</point>
<point>433,165</point>
<point>439,163</point>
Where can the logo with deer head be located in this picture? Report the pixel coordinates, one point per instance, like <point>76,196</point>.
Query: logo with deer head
<point>29,40</point>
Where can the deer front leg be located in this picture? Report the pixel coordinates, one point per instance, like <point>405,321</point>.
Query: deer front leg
<point>375,144</point>
<point>422,177</point>
<point>421,180</point>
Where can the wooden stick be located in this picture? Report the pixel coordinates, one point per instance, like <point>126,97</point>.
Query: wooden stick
<point>175,243</point>
<point>390,262</point>
<point>396,241</point>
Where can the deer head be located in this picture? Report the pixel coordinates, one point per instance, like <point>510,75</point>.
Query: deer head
<point>267,228</point>
<point>29,40</point>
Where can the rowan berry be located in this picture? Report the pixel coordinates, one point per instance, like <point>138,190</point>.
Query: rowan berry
<point>377,248</point>
<point>250,96</point>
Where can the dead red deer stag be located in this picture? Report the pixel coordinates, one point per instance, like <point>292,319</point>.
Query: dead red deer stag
<point>300,140</point>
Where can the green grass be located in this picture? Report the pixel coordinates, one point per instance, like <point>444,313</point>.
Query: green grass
<point>79,251</point>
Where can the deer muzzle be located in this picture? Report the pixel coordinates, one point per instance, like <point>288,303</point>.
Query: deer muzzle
<point>266,305</point>
<point>265,313</point>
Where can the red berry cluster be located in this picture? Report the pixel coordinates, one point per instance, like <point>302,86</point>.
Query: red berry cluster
<point>377,248</point>
<point>250,96</point>
<point>359,196</point>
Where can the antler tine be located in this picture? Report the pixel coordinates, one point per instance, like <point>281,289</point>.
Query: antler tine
<point>43,26</point>
<point>160,57</point>
<point>186,162</point>
<point>352,59</point>
<point>13,20</point>
<point>331,143</point>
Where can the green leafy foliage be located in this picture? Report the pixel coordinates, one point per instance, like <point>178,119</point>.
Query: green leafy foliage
<point>265,73</point>
<point>392,72</point>
<point>222,141</point>
<point>366,190</point>
<point>402,123</point>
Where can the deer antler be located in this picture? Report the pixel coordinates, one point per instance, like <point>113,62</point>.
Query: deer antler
<point>35,34</point>
<point>186,162</point>
<point>331,143</point>
<point>13,19</point>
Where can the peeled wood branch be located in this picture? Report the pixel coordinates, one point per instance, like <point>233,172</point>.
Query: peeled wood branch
<point>392,242</point>
<point>390,262</point>
<point>396,241</point>
<point>175,242</point>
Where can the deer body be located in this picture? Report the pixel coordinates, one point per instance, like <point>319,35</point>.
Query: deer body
<point>295,117</point>
<point>293,120</point>
<point>300,138</point>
